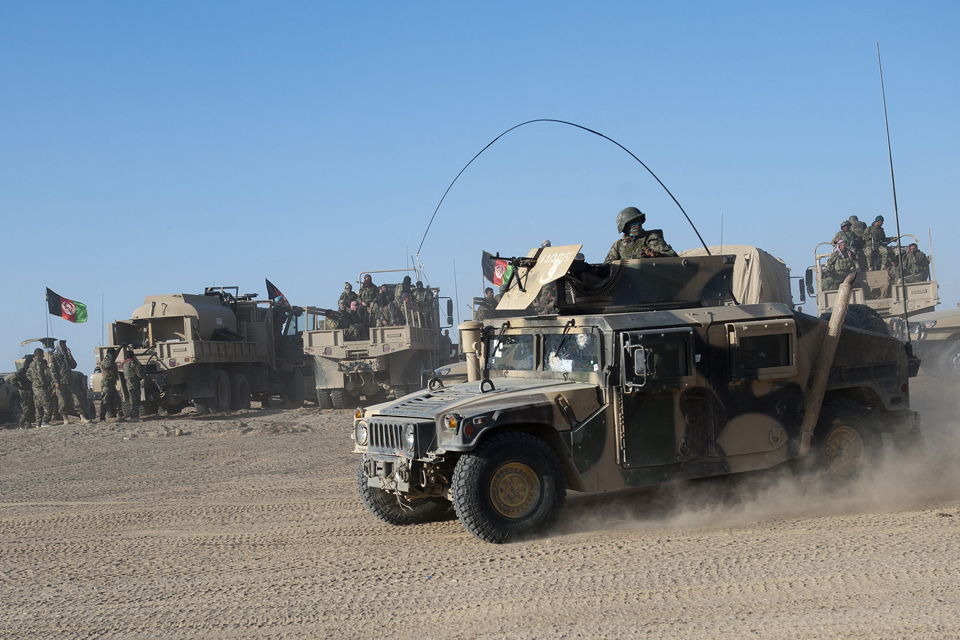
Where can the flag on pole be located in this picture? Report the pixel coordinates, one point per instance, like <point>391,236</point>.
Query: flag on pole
<point>273,293</point>
<point>67,309</point>
<point>496,270</point>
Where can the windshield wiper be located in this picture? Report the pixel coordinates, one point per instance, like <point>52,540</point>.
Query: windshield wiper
<point>563,335</point>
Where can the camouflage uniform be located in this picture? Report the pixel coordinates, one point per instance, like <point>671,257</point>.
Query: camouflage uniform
<point>380,306</point>
<point>133,375</point>
<point>546,302</point>
<point>916,267</point>
<point>857,226</point>
<point>627,248</point>
<point>28,411</point>
<point>845,234</point>
<point>40,378</point>
<point>353,327</point>
<point>875,246</point>
<point>348,295</point>
<point>109,396</point>
<point>61,372</point>
<point>366,297</point>
<point>841,263</point>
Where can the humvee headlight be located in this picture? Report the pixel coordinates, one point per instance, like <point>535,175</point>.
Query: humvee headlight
<point>409,437</point>
<point>361,433</point>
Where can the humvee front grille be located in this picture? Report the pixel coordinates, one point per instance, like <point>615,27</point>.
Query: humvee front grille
<point>386,435</point>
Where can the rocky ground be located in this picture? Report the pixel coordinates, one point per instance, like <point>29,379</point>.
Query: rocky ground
<point>249,525</point>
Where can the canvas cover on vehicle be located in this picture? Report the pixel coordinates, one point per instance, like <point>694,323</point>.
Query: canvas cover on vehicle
<point>757,275</point>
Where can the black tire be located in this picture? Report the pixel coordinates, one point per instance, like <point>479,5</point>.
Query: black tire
<point>948,362</point>
<point>338,398</point>
<point>294,395</point>
<point>323,399</point>
<point>509,486</point>
<point>91,410</point>
<point>221,385</point>
<point>860,316</point>
<point>239,392</point>
<point>844,444</point>
<point>174,409</point>
<point>390,508</point>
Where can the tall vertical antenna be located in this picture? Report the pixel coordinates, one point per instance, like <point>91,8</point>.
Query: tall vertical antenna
<point>896,214</point>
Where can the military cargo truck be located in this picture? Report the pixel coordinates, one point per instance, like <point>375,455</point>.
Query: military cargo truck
<point>652,370</point>
<point>383,361</point>
<point>876,289</point>
<point>935,337</point>
<point>217,350</point>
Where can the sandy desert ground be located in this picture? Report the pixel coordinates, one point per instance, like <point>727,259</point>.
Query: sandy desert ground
<point>249,526</point>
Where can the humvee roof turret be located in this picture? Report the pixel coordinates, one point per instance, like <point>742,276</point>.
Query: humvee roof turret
<point>651,370</point>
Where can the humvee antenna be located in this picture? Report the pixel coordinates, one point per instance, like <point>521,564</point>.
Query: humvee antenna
<point>572,124</point>
<point>896,215</point>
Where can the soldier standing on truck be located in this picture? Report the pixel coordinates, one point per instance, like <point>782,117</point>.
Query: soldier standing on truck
<point>637,242</point>
<point>27,411</point>
<point>39,376</point>
<point>381,306</point>
<point>875,245</point>
<point>62,364</point>
<point>133,375</point>
<point>109,397</point>
<point>857,226</point>
<point>367,296</point>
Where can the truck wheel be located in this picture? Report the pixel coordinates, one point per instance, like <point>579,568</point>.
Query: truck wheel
<point>949,362</point>
<point>221,384</point>
<point>338,398</point>
<point>860,316</point>
<point>91,410</point>
<point>323,399</point>
<point>390,508</point>
<point>844,445</point>
<point>509,486</point>
<point>294,395</point>
<point>239,392</point>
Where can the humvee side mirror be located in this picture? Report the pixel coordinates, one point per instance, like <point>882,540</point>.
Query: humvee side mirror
<point>809,279</point>
<point>450,312</point>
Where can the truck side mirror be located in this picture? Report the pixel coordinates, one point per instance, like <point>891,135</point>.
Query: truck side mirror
<point>809,280</point>
<point>449,312</point>
<point>803,298</point>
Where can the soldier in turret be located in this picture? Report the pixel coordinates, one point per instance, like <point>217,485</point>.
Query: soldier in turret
<point>839,265</point>
<point>636,241</point>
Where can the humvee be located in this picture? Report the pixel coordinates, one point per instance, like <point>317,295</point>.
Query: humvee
<point>652,370</point>
<point>216,350</point>
<point>936,341</point>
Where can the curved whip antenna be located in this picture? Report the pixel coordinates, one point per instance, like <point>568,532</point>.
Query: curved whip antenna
<point>572,124</point>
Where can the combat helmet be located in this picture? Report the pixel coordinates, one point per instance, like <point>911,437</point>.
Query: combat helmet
<point>627,216</point>
<point>845,223</point>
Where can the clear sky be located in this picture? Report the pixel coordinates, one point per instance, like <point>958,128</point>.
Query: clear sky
<point>150,148</point>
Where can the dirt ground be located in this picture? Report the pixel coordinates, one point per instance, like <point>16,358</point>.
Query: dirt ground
<point>249,526</point>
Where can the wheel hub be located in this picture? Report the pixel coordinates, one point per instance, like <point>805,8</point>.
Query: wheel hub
<point>515,490</point>
<point>844,450</point>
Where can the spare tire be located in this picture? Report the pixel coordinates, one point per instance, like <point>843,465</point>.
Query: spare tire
<point>860,316</point>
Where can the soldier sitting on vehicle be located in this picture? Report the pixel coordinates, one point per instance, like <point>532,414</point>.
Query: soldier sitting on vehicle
<point>367,296</point>
<point>486,306</point>
<point>846,234</point>
<point>857,226</point>
<point>637,242</point>
<point>348,295</point>
<point>842,262</point>
<point>354,328</point>
<point>916,266</point>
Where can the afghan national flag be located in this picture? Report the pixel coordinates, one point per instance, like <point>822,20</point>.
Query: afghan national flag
<point>496,270</point>
<point>67,309</point>
<point>273,293</point>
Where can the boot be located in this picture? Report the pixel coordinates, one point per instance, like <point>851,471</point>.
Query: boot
<point>44,423</point>
<point>84,420</point>
<point>66,420</point>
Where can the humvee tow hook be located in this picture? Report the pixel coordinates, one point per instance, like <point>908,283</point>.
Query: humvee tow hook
<point>827,354</point>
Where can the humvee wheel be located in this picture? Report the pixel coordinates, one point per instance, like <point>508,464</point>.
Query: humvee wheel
<point>509,486</point>
<point>949,362</point>
<point>338,398</point>
<point>323,399</point>
<point>239,392</point>
<point>845,444</point>
<point>392,509</point>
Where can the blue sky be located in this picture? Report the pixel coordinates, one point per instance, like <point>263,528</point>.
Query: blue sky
<point>160,148</point>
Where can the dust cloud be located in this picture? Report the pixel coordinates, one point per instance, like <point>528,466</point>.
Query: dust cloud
<point>921,479</point>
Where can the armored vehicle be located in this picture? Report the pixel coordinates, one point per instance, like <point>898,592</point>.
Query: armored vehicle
<point>652,370</point>
<point>378,361</point>
<point>876,289</point>
<point>217,350</point>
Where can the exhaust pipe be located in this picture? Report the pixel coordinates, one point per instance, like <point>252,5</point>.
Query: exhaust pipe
<point>827,353</point>
<point>470,331</point>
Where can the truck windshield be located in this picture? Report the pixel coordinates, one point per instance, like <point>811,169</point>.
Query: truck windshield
<point>511,353</point>
<point>572,352</point>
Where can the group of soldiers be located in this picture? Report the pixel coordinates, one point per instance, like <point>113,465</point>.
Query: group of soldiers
<point>383,306</point>
<point>49,392</point>
<point>861,248</point>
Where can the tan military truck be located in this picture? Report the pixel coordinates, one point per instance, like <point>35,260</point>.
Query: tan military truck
<point>876,290</point>
<point>936,341</point>
<point>652,370</point>
<point>383,361</point>
<point>217,350</point>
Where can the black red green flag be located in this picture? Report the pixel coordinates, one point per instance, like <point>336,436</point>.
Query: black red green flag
<point>65,308</point>
<point>496,270</point>
<point>273,293</point>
